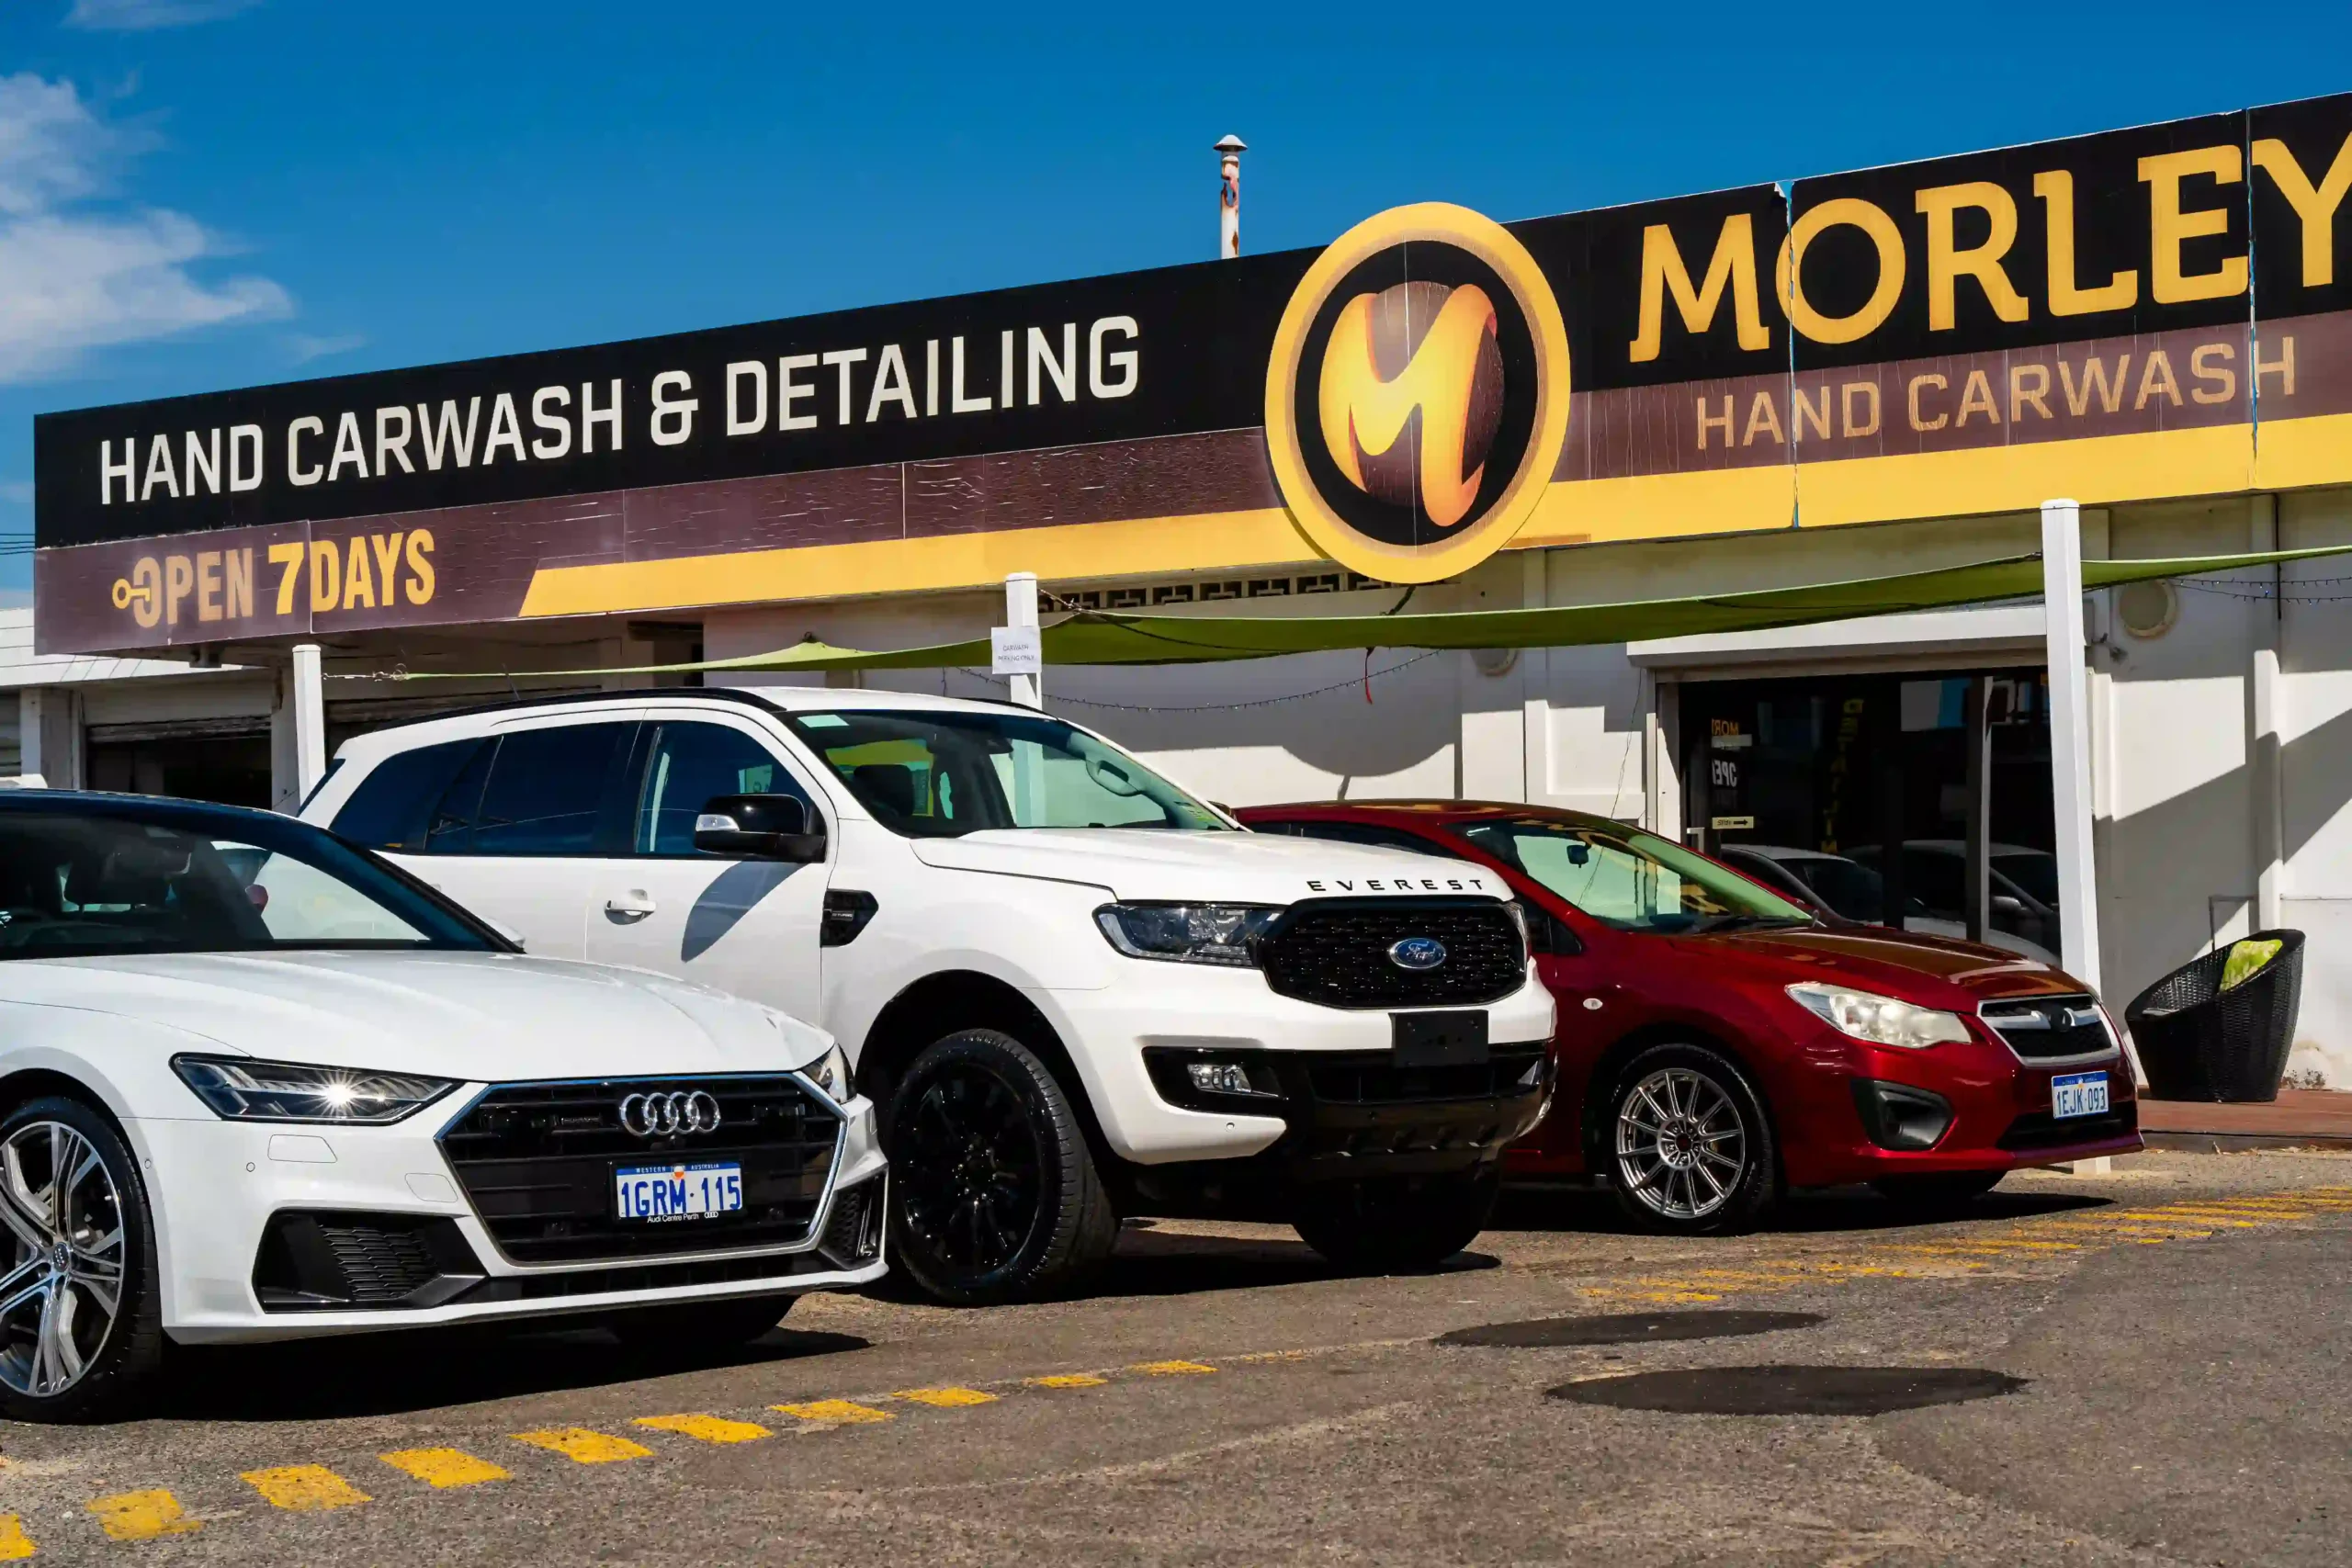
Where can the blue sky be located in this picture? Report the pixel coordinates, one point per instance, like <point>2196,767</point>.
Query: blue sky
<point>198,194</point>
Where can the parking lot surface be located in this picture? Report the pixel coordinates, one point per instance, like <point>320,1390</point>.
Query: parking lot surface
<point>2140,1367</point>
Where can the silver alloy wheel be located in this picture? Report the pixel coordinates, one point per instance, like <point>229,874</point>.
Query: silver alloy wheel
<point>1681,1147</point>
<point>64,1288</point>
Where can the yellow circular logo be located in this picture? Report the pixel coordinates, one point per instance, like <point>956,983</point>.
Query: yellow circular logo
<point>1418,396</point>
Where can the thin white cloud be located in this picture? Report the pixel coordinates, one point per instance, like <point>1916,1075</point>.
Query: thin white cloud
<point>305,347</point>
<point>76,276</point>
<point>143,16</point>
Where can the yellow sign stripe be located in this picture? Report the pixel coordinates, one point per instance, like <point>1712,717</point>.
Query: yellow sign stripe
<point>705,1428</point>
<point>304,1488</point>
<point>579,1444</point>
<point>1143,546</point>
<point>444,1467</point>
<point>13,1543</point>
<point>945,1398</point>
<point>1171,1368</point>
<point>1068,1380</point>
<point>835,1412</point>
<point>142,1516</point>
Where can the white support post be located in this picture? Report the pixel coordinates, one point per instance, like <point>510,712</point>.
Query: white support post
<point>310,721</point>
<point>2070,738</point>
<point>30,762</point>
<point>1021,610</point>
<point>2270,804</point>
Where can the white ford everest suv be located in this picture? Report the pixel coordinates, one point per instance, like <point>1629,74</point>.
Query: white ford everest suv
<point>1076,991</point>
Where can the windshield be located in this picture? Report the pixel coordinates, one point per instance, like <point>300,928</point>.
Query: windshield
<point>74,884</point>
<point>934,774</point>
<point>2032,871</point>
<point>1630,879</point>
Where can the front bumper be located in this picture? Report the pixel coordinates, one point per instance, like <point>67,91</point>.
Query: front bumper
<point>2001,1112</point>
<point>1114,1031</point>
<point>217,1188</point>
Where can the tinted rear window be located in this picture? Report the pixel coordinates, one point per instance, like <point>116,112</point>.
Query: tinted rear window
<point>393,805</point>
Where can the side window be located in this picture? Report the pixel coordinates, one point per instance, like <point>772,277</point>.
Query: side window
<point>394,804</point>
<point>685,768</point>
<point>546,790</point>
<point>449,830</point>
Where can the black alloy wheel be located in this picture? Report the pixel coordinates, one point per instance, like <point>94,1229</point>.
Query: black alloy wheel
<point>995,1195</point>
<point>1687,1145</point>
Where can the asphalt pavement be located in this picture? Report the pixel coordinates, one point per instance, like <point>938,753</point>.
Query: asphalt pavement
<point>2143,1367</point>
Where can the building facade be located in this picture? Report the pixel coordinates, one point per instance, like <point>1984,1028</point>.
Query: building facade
<point>1857,376</point>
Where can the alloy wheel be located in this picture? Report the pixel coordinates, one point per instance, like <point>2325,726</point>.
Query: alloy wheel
<point>1681,1147</point>
<point>972,1170</point>
<point>64,1288</point>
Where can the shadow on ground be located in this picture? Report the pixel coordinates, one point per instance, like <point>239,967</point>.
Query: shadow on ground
<point>1832,1211</point>
<point>389,1374</point>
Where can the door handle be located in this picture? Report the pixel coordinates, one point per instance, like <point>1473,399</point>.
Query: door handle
<point>633,905</point>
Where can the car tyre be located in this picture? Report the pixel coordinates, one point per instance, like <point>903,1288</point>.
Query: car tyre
<point>688,1324</point>
<point>1943,1190</point>
<point>81,1310</point>
<point>1398,1225</point>
<point>1687,1145</point>
<point>994,1195</point>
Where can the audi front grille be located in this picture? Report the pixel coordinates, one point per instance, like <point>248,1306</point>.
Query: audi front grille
<point>536,1160</point>
<point>1337,953</point>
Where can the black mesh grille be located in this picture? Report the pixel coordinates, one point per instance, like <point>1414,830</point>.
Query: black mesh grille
<point>314,1260</point>
<point>2049,1028</point>
<point>854,1234</point>
<point>380,1265</point>
<point>1337,954</point>
<point>537,1161</point>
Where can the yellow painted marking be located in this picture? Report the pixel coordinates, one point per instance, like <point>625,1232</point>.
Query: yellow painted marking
<point>835,1412</point>
<point>444,1467</point>
<point>1068,1380</point>
<point>1171,1368</point>
<point>304,1487</point>
<point>142,1516</point>
<point>1615,1293</point>
<point>13,1543</point>
<point>705,1428</point>
<point>945,1398</point>
<point>577,1443</point>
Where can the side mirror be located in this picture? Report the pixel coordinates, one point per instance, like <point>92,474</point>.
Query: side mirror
<point>2007,905</point>
<point>758,827</point>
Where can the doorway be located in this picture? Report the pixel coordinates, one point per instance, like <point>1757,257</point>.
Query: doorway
<point>1921,800</point>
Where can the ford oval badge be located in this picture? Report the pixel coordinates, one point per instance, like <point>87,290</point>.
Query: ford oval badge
<point>1417,952</point>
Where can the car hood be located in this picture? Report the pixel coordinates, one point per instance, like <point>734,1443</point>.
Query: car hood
<point>470,1016</point>
<point>1881,960</point>
<point>1234,868</point>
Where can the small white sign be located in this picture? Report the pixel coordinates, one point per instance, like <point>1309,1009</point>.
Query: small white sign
<point>1016,650</point>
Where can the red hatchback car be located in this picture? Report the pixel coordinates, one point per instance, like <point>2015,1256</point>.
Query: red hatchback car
<point>1718,1045</point>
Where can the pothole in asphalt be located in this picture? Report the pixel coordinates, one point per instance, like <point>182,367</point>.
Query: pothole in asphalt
<point>1790,1391</point>
<point>1628,1328</point>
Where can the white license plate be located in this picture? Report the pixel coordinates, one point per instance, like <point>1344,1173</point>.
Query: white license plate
<point>661,1192</point>
<point>2077,1094</point>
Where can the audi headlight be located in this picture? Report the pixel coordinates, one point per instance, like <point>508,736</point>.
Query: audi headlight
<point>1187,933</point>
<point>244,1091</point>
<point>1882,1020</point>
<point>831,1073</point>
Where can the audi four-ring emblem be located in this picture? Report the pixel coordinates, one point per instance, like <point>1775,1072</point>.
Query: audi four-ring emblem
<point>659,1115</point>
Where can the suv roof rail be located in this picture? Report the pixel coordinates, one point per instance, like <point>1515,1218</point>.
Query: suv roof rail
<point>747,696</point>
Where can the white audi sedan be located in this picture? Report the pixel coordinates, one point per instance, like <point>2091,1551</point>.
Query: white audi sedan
<point>257,1084</point>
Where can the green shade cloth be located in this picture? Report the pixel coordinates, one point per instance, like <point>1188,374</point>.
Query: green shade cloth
<point>1109,637</point>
